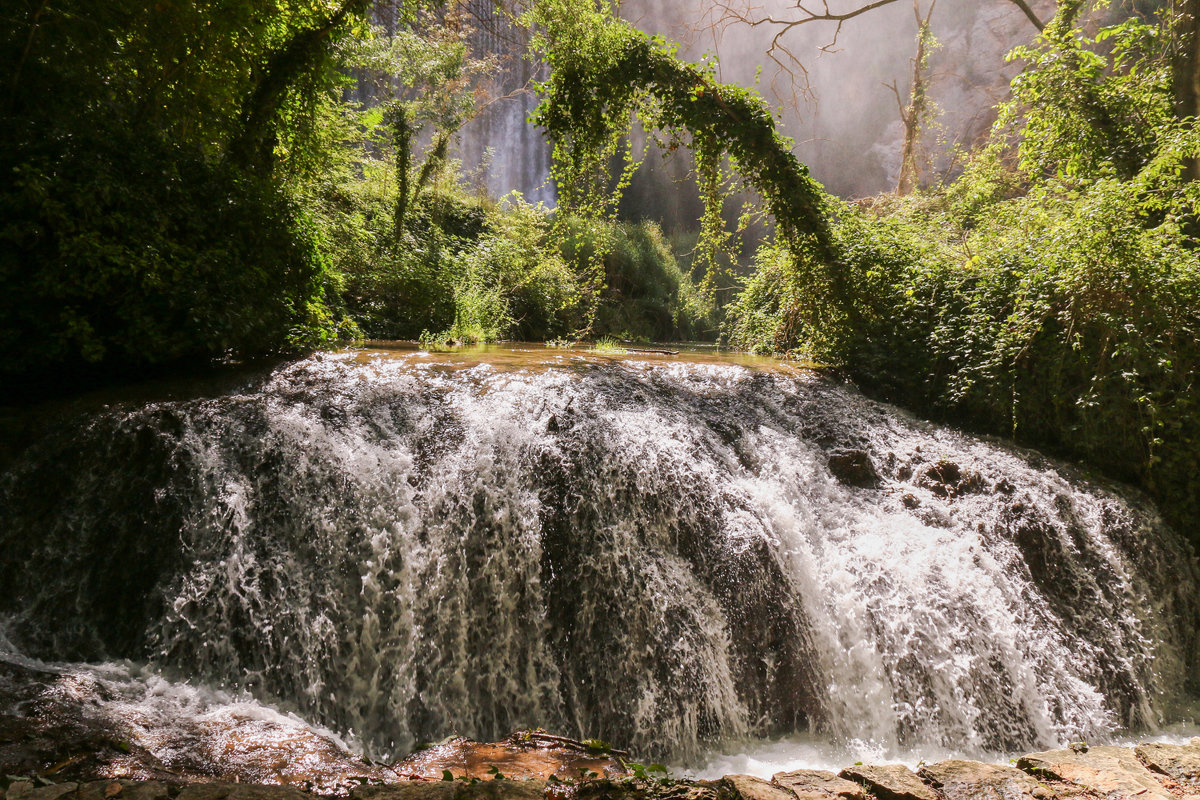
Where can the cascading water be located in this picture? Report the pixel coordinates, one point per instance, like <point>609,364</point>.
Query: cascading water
<point>658,552</point>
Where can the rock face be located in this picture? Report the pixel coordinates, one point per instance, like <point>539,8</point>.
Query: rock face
<point>890,782</point>
<point>1111,772</point>
<point>853,468</point>
<point>817,784</point>
<point>971,780</point>
<point>1178,761</point>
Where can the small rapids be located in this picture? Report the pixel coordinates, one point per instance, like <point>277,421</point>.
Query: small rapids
<point>669,554</point>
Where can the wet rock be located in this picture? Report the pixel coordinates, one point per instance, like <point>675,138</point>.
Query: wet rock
<point>628,790</point>
<point>971,780</point>
<point>817,784</point>
<point>890,782</point>
<point>700,790</point>
<point>123,790</point>
<point>205,791</point>
<point>1112,772</point>
<point>453,790</point>
<point>948,480</point>
<point>854,468</point>
<point>522,755</point>
<point>910,500</point>
<point>23,790</point>
<point>240,791</point>
<point>1178,761</point>
<point>748,787</point>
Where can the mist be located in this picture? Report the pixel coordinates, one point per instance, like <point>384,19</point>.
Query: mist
<point>831,88</point>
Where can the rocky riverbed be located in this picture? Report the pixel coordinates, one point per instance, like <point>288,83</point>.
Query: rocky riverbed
<point>534,765</point>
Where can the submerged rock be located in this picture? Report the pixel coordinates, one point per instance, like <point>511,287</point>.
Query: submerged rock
<point>890,782</point>
<point>817,784</point>
<point>240,791</point>
<point>125,790</point>
<point>24,790</point>
<point>1112,772</point>
<point>948,480</point>
<point>971,780</point>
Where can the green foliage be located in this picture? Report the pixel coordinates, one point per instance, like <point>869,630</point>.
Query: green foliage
<point>644,772</point>
<point>394,288</point>
<point>1091,107</point>
<point>604,73</point>
<point>512,283</point>
<point>647,295</point>
<point>131,235</point>
<point>1049,294</point>
<point>108,264</point>
<point>609,346</point>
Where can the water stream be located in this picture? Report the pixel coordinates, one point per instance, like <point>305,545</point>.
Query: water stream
<point>654,550</point>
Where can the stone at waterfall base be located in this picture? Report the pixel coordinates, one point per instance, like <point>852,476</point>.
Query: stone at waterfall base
<point>540,766</point>
<point>971,780</point>
<point>890,782</point>
<point>748,787</point>
<point>817,784</point>
<point>1178,761</point>
<point>1110,772</point>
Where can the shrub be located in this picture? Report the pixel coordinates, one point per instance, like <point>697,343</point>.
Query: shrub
<point>120,252</point>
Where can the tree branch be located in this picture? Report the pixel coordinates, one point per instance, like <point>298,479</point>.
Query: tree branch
<point>1024,6</point>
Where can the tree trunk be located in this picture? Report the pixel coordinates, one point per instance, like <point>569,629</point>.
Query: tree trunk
<point>1185,68</point>
<point>918,101</point>
<point>254,147</point>
<point>402,136</point>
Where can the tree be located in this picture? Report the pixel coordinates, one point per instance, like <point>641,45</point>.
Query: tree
<point>604,73</point>
<point>144,221</point>
<point>726,13</point>
<point>253,146</point>
<point>913,115</point>
<point>1185,65</point>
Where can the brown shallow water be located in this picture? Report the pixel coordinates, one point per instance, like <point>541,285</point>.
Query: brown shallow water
<point>538,356</point>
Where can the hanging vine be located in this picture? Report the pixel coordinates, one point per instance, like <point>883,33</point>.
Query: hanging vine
<point>604,75</point>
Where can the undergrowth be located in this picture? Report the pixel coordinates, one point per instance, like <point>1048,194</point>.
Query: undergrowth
<point>1050,294</point>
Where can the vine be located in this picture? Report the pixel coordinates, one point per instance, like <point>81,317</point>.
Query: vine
<point>605,74</point>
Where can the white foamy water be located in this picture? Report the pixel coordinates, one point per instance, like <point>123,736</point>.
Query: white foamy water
<point>652,552</point>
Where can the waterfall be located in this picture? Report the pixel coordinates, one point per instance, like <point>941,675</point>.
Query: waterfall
<point>499,147</point>
<point>656,552</point>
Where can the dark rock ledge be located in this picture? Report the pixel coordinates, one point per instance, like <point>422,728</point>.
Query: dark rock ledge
<point>538,766</point>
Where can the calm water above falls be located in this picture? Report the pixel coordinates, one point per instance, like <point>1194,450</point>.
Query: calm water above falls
<point>651,550</point>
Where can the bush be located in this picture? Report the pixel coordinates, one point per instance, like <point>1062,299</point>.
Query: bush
<point>647,296</point>
<point>120,252</point>
<point>1049,294</point>
<point>392,288</point>
<point>1066,318</point>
